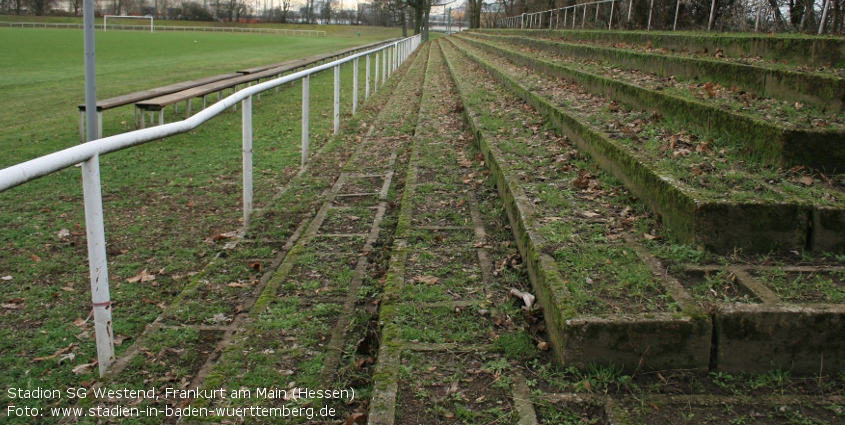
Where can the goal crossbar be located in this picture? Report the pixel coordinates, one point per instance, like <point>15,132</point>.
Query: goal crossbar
<point>106,18</point>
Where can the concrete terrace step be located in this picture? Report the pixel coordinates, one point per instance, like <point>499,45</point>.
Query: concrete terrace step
<point>779,139</point>
<point>615,288</point>
<point>810,50</point>
<point>447,318</point>
<point>821,90</point>
<point>729,202</point>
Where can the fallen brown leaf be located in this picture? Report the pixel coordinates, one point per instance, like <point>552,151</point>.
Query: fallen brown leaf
<point>58,353</point>
<point>142,277</point>
<point>430,280</point>
<point>83,368</point>
<point>356,418</point>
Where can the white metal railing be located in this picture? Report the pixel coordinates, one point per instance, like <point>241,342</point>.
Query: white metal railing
<point>754,12</point>
<point>167,28</point>
<point>392,55</point>
<point>537,19</point>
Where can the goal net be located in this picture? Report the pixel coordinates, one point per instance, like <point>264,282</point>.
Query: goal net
<point>128,22</point>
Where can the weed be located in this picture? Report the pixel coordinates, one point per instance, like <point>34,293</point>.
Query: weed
<point>517,346</point>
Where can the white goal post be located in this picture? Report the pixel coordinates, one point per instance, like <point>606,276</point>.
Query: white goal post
<point>106,19</point>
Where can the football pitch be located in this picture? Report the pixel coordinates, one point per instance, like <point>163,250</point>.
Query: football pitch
<point>168,205</point>
<point>42,78</point>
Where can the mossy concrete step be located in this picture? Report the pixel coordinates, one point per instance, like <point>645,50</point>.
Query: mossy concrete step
<point>441,292</point>
<point>717,221</point>
<point>774,143</point>
<point>809,50</point>
<point>668,339</point>
<point>774,324</point>
<point>805,339</point>
<point>693,408</point>
<point>822,91</point>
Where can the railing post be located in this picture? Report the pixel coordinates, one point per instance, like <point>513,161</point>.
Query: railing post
<point>584,17</point>
<point>306,106</point>
<point>610,21</point>
<point>367,80</point>
<point>596,20</point>
<point>336,99</point>
<point>93,199</point>
<point>712,15</point>
<point>384,66</point>
<point>246,123</point>
<point>375,77</point>
<point>650,10</point>
<point>677,10</point>
<point>96,235</point>
<point>355,86</point>
<point>824,16</point>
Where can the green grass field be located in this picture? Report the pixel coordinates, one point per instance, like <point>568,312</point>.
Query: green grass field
<point>43,81</point>
<point>164,202</point>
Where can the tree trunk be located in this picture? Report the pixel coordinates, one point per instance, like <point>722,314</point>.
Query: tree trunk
<point>779,20</point>
<point>418,19</point>
<point>404,26</point>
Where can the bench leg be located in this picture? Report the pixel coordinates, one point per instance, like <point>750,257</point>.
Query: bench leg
<point>219,95</point>
<point>204,101</point>
<point>81,127</point>
<point>175,108</point>
<point>99,124</point>
<point>136,116</point>
<point>161,117</point>
<point>188,108</point>
<point>143,119</point>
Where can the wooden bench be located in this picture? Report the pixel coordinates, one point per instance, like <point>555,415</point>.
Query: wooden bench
<point>157,104</point>
<point>247,77</point>
<point>127,99</point>
<point>154,100</point>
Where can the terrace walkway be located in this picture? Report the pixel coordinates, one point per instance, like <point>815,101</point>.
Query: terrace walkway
<point>403,263</point>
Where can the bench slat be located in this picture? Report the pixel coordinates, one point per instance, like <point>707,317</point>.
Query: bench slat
<point>158,103</point>
<point>151,93</point>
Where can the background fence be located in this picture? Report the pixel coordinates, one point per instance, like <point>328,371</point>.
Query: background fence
<point>810,16</point>
<point>168,28</point>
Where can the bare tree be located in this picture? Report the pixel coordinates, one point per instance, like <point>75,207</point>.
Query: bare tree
<point>422,11</point>
<point>285,9</point>
<point>40,7</point>
<point>18,6</point>
<point>75,5</point>
<point>474,9</point>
